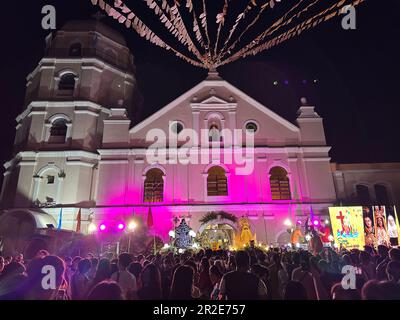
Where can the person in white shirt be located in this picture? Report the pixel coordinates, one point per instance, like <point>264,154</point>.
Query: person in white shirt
<point>124,278</point>
<point>241,284</point>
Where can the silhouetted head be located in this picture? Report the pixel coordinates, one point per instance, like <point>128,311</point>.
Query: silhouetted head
<point>242,260</point>
<point>182,281</point>
<point>124,259</point>
<point>106,290</point>
<point>294,290</point>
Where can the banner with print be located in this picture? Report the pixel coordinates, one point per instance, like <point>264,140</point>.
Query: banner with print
<point>369,227</point>
<point>392,221</point>
<point>348,226</point>
<point>381,230</point>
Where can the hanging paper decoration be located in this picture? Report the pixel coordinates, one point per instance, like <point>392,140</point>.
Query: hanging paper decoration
<point>131,20</point>
<point>253,48</point>
<point>174,24</point>
<point>188,23</point>
<point>182,237</point>
<point>250,6</point>
<point>220,22</point>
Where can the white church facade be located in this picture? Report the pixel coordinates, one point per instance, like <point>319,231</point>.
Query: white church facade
<point>76,149</point>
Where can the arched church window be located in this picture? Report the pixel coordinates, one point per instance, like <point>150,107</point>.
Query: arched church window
<point>279,182</point>
<point>381,194</point>
<point>363,195</point>
<point>59,128</point>
<point>154,186</point>
<point>67,82</point>
<point>58,131</point>
<point>75,50</point>
<point>47,189</point>
<point>217,183</point>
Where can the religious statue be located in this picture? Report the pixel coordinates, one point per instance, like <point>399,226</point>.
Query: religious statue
<point>244,235</point>
<point>296,235</point>
<point>214,133</point>
<point>182,237</point>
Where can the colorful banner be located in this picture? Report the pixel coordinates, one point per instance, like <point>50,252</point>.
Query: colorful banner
<point>392,219</point>
<point>381,226</point>
<point>348,226</point>
<point>369,227</point>
<point>381,230</point>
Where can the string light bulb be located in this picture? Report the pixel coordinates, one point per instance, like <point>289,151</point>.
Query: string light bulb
<point>132,225</point>
<point>92,228</point>
<point>287,223</point>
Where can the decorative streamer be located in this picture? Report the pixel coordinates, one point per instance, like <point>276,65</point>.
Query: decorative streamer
<point>132,21</point>
<point>295,31</point>
<point>276,26</point>
<point>239,18</point>
<point>197,44</point>
<point>281,22</point>
<point>204,24</point>
<point>181,26</point>
<point>170,25</point>
<point>173,24</point>
<point>196,29</point>
<point>220,20</point>
<point>233,45</point>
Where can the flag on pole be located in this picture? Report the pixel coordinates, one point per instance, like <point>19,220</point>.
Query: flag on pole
<point>150,219</point>
<point>150,224</point>
<point>59,220</point>
<point>78,221</point>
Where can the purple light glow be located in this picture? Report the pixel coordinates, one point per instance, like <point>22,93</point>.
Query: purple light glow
<point>119,202</point>
<point>316,222</point>
<point>102,227</point>
<point>121,226</point>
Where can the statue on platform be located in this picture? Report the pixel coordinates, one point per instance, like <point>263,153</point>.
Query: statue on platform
<point>296,236</point>
<point>244,235</point>
<point>182,237</point>
<point>214,134</point>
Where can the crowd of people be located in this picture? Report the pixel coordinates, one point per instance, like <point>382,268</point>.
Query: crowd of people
<point>206,275</point>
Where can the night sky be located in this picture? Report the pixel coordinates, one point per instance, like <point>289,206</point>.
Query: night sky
<point>357,92</point>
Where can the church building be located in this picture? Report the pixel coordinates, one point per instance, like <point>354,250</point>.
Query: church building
<point>77,152</point>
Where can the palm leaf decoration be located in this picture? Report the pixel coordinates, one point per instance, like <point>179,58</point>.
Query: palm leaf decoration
<point>210,216</point>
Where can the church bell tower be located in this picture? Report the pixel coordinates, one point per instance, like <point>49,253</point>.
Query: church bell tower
<point>87,70</point>
<point>87,75</point>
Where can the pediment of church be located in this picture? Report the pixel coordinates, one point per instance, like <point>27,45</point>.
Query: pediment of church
<point>230,107</point>
<point>213,99</point>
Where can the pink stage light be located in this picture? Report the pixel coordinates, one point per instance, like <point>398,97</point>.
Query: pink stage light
<point>102,227</point>
<point>121,226</point>
<point>316,222</point>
